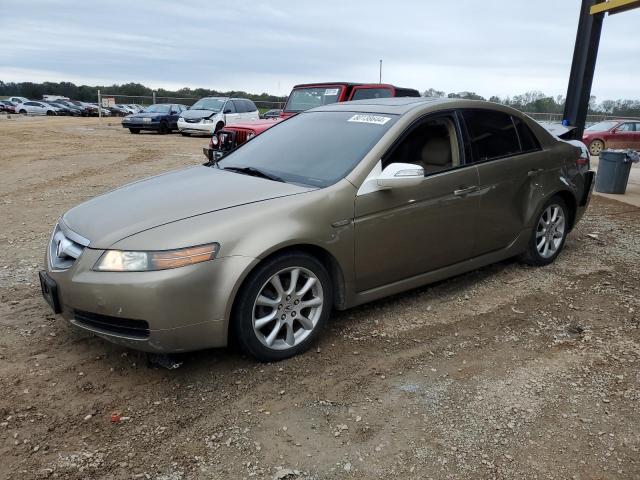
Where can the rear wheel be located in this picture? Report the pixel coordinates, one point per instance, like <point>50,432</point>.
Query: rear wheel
<point>134,130</point>
<point>219,126</point>
<point>596,147</point>
<point>23,112</point>
<point>50,112</point>
<point>282,307</point>
<point>164,128</point>
<point>549,233</point>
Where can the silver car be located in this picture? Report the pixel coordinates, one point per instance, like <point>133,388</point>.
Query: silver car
<point>332,208</point>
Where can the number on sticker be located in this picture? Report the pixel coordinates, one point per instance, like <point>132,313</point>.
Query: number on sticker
<point>375,119</point>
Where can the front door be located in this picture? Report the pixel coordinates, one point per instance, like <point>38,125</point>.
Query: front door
<point>403,232</point>
<point>623,136</point>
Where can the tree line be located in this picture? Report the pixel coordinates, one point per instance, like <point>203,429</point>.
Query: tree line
<point>538,102</point>
<point>531,102</point>
<point>86,93</point>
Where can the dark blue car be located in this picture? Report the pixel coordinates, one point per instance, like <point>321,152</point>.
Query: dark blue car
<point>161,117</point>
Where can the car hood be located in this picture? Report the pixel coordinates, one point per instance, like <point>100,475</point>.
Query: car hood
<point>167,198</point>
<point>198,113</point>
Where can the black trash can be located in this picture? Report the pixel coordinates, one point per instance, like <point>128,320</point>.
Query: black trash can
<point>613,171</point>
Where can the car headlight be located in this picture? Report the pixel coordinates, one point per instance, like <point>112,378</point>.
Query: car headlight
<point>207,120</point>
<point>146,261</point>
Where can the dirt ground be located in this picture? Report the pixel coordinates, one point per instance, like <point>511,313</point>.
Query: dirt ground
<point>508,372</point>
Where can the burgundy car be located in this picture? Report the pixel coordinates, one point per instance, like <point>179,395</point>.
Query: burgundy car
<point>612,134</point>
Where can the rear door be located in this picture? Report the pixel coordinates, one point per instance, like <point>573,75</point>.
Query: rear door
<point>252,110</point>
<point>509,161</point>
<point>636,136</point>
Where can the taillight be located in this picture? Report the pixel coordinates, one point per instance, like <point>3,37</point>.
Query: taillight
<point>583,159</point>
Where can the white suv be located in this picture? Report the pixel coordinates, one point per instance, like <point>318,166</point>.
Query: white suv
<point>210,114</point>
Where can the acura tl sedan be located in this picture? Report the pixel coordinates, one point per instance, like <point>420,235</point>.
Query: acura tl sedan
<point>329,209</point>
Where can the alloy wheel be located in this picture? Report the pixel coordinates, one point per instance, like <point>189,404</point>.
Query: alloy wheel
<point>596,147</point>
<point>288,308</point>
<point>550,231</point>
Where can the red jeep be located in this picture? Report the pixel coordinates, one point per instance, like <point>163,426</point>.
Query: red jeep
<point>302,97</point>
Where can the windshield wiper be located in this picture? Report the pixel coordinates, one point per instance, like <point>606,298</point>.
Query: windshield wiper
<point>255,172</point>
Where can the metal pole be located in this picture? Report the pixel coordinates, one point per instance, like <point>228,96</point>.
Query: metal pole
<point>582,68</point>
<point>99,105</point>
<point>380,80</point>
<point>154,96</point>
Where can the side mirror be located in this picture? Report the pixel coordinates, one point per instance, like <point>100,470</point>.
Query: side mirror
<point>227,110</point>
<point>399,175</point>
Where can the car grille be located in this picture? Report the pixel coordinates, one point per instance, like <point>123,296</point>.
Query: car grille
<point>115,325</point>
<point>193,120</point>
<point>65,247</point>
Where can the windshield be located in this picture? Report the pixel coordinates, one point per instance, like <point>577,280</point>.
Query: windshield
<point>214,104</point>
<point>157,108</point>
<point>315,148</point>
<point>602,126</point>
<point>305,98</point>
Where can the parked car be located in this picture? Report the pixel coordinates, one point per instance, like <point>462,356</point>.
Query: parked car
<point>31,107</point>
<point>135,107</point>
<point>328,209</point>
<point>210,114</point>
<point>76,110</point>
<point>161,117</point>
<point>230,137</point>
<point>57,109</point>
<point>612,134</point>
<point>18,99</point>
<point>273,113</point>
<point>7,106</point>
<point>303,97</point>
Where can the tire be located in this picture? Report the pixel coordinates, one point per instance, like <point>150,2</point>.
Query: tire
<point>185,134</point>
<point>280,309</point>
<point>134,130</point>
<point>164,128</point>
<point>23,112</point>
<point>50,113</point>
<point>219,126</point>
<point>545,244</point>
<point>596,147</point>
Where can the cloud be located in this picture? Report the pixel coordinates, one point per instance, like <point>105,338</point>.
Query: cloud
<point>491,47</point>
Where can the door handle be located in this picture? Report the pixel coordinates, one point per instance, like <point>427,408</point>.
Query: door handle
<point>535,172</point>
<point>465,191</point>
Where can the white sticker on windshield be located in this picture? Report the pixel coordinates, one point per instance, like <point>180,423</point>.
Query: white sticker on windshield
<point>376,119</point>
<point>330,92</point>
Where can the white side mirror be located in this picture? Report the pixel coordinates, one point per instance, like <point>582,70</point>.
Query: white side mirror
<point>398,175</point>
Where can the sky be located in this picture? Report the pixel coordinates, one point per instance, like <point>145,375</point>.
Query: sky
<point>491,47</point>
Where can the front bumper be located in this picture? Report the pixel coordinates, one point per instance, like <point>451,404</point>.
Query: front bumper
<point>212,155</point>
<point>141,125</point>
<point>174,310</point>
<point>198,128</point>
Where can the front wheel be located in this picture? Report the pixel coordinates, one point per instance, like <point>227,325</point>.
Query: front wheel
<point>23,112</point>
<point>282,307</point>
<point>549,233</point>
<point>134,130</point>
<point>164,128</point>
<point>596,147</point>
<point>185,134</point>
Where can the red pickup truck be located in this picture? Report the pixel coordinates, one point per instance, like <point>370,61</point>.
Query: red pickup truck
<point>302,97</point>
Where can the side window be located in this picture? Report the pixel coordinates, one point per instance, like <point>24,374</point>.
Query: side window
<point>251,107</point>
<point>528,140</point>
<point>239,104</point>
<point>637,126</point>
<point>367,93</point>
<point>31,104</point>
<point>432,144</point>
<point>492,134</point>
<point>229,107</point>
<point>625,127</point>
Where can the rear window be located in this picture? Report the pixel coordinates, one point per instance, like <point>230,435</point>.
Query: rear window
<point>492,134</point>
<point>367,93</point>
<point>305,98</point>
